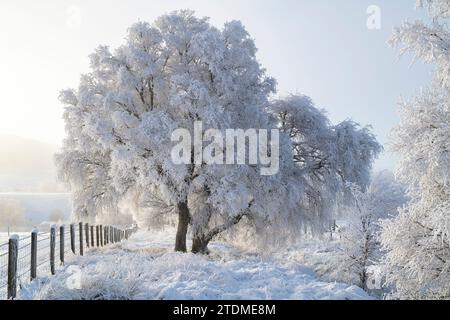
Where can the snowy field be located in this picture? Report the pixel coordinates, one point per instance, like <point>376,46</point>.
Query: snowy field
<point>145,267</point>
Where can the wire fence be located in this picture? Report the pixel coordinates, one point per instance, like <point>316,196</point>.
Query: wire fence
<point>42,254</point>
<point>3,269</point>
<point>24,259</point>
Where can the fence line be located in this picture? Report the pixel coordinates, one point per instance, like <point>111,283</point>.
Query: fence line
<point>22,260</point>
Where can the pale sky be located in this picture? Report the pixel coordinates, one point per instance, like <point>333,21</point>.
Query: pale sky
<point>321,48</point>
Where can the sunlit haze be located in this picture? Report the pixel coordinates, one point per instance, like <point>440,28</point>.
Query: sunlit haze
<point>320,48</point>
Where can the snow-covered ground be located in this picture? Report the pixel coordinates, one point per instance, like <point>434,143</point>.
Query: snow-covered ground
<point>145,267</point>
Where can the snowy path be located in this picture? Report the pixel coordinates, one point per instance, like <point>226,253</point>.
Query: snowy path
<point>146,268</point>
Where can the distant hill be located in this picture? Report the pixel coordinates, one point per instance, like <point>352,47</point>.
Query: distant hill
<point>27,165</point>
<point>38,207</point>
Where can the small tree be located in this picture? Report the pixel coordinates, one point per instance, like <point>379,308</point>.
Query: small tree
<point>360,235</point>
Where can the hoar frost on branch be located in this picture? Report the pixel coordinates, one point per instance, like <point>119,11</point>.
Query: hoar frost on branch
<point>84,164</point>
<point>169,75</point>
<point>327,156</point>
<point>418,240</point>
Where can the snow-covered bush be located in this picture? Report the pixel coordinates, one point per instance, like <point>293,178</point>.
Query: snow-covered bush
<point>418,240</point>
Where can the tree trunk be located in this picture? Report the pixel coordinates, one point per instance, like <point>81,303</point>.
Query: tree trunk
<point>183,224</point>
<point>200,244</point>
<point>363,280</point>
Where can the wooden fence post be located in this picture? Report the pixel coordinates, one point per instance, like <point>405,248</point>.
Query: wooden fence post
<point>86,230</point>
<point>92,236</point>
<point>33,258</point>
<point>104,235</point>
<point>52,249</point>
<point>101,235</point>
<point>97,238</point>
<point>13,252</point>
<point>80,227</point>
<point>61,244</point>
<point>72,238</point>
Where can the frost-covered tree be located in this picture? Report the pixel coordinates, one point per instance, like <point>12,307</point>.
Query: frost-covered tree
<point>418,240</point>
<point>170,75</point>
<point>167,76</point>
<point>328,157</point>
<point>360,234</point>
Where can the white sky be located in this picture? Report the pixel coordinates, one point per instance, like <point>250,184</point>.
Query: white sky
<point>318,47</point>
